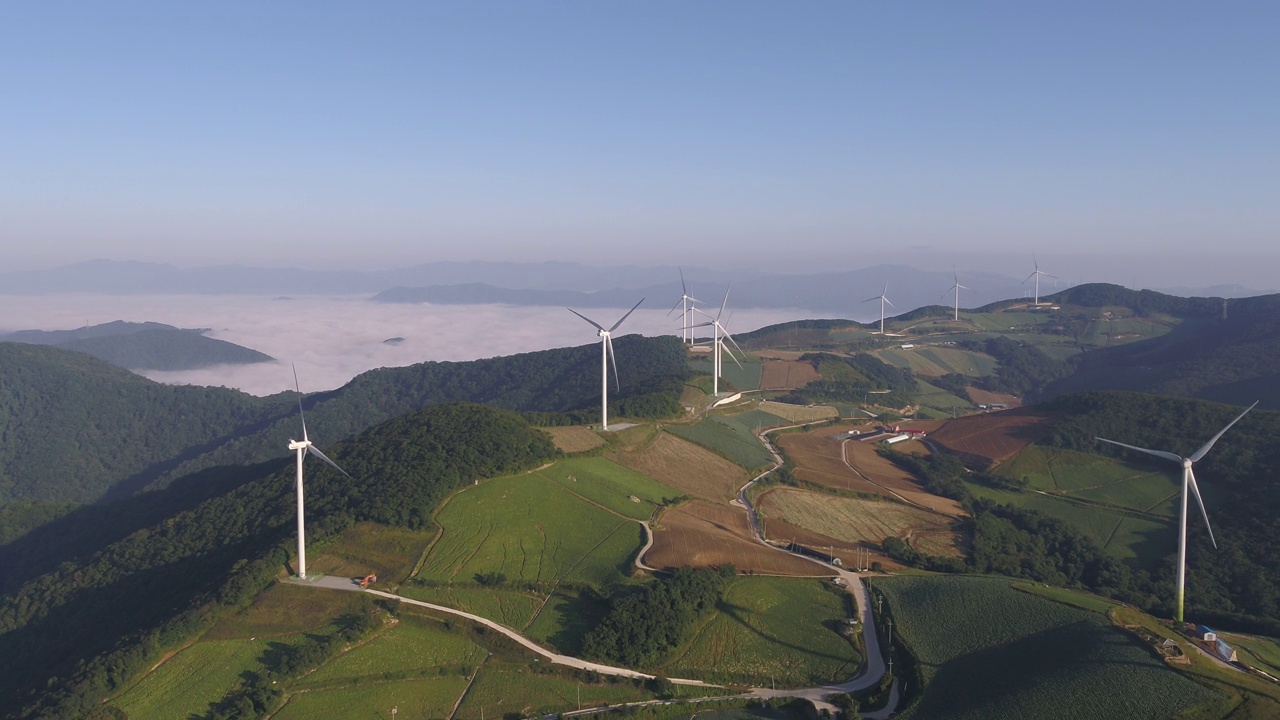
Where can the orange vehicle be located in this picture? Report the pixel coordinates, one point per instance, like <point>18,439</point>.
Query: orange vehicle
<point>368,580</point>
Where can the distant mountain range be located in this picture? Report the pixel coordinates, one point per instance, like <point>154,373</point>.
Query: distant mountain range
<point>144,346</point>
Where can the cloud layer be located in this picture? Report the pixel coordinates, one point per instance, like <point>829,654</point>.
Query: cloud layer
<point>333,339</point>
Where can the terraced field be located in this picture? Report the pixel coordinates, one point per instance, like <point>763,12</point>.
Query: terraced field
<point>850,520</point>
<point>705,534</point>
<point>190,681</point>
<point>688,467</point>
<point>932,360</point>
<point>987,650</point>
<point>733,440</point>
<point>413,647</point>
<point>610,485</point>
<point>798,413</point>
<point>782,630</point>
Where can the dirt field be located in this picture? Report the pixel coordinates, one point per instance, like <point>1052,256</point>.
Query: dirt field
<point>799,413</point>
<point>786,374</point>
<point>986,397</point>
<point>574,439</point>
<point>687,467</point>
<point>703,534</point>
<point>991,437</point>
<point>818,456</point>
<point>780,354</point>
<point>851,521</point>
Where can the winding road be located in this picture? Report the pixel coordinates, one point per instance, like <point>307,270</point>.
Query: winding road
<point>872,671</point>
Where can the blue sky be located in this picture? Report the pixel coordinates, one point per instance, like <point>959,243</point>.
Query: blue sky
<point>733,134</point>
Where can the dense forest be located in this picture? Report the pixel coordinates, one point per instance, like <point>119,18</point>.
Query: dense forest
<point>1022,370</point>
<point>77,632</point>
<point>73,429</point>
<point>1234,585</point>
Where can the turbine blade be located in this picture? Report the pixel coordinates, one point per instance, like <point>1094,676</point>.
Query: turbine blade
<point>1191,476</point>
<point>729,352</point>
<point>1205,449</point>
<point>1157,453</point>
<point>316,451</point>
<point>725,333</point>
<point>1024,282</point>
<point>298,387</point>
<point>608,339</point>
<point>705,324</point>
<point>624,317</point>
<point>684,289</point>
<point>584,317</point>
<point>872,298</point>
<point>963,287</point>
<point>726,300</point>
<point>889,301</point>
<point>945,294</point>
<point>673,307</point>
<point>1055,277</point>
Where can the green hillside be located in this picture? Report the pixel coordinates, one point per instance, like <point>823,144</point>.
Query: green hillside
<point>76,632</point>
<point>144,346</point>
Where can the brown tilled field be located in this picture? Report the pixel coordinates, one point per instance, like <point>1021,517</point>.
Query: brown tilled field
<point>786,374</point>
<point>799,413</point>
<point>846,551</point>
<point>574,439</point>
<point>850,521</point>
<point>819,458</point>
<point>986,397</point>
<point>704,534</point>
<point>687,467</point>
<point>991,437</point>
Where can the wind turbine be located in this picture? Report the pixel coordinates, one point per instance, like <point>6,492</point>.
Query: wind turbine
<point>957,288</point>
<point>1037,275</point>
<point>883,298</point>
<point>303,447</point>
<point>606,354</point>
<point>687,300</point>
<point>718,335</point>
<point>1188,483</point>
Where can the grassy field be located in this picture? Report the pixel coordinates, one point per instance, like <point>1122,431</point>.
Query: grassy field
<point>609,484</point>
<point>688,467</point>
<point>769,629</point>
<point>987,650</point>
<point>412,647</point>
<point>431,697</point>
<point>746,377</point>
<point>934,361</point>
<point>1260,652</point>
<point>1093,477</point>
<point>798,413</point>
<point>935,397</point>
<point>511,607</point>
<point>731,439</point>
<point>284,610</point>
<point>848,519</point>
<point>504,691</point>
<point>188,682</point>
<point>390,552</point>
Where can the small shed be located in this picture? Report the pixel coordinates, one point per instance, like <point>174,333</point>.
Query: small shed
<point>1205,633</point>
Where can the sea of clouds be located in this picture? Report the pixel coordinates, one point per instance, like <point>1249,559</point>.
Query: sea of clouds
<point>333,339</point>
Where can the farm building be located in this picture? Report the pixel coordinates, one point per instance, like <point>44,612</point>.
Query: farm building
<point>896,439</point>
<point>1206,634</point>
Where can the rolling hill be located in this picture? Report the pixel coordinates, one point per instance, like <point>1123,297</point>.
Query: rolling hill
<point>144,346</point>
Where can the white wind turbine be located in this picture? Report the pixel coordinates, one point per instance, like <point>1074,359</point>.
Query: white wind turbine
<point>303,447</point>
<point>1038,272</point>
<point>606,354</point>
<point>1188,483</point>
<point>956,288</point>
<point>717,343</point>
<point>687,301</point>
<point>883,298</point>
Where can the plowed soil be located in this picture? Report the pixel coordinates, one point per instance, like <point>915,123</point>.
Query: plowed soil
<point>687,467</point>
<point>991,438</point>
<point>786,374</point>
<point>574,439</point>
<point>986,397</point>
<point>851,521</point>
<point>704,534</point>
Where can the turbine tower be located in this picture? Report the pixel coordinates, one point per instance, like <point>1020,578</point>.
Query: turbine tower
<point>1188,483</point>
<point>717,343</point>
<point>1038,272</point>
<point>302,447</point>
<point>606,354</point>
<point>956,288</point>
<point>687,301</point>
<point>883,298</point>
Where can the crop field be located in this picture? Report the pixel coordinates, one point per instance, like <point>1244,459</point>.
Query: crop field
<point>1076,598</point>
<point>283,610</point>
<point>412,646</point>
<point>798,413</point>
<point>188,682</point>
<point>934,361</point>
<point>879,469</point>
<point>746,377</point>
<point>939,399</point>
<point>574,438</point>
<point>730,439</point>
<point>430,697</point>
<point>1093,477</point>
<point>510,607</point>
<point>518,692</point>
<point>753,419</point>
<point>704,534</point>
<point>850,520</point>
<point>611,485</point>
<point>529,528</point>
<point>1124,330</point>
<point>687,467</point>
<point>786,374</point>
<point>367,547</point>
<point>991,437</point>
<point>988,650</point>
<point>782,630</point>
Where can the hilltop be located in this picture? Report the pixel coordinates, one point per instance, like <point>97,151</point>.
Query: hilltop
<point>144,346</point>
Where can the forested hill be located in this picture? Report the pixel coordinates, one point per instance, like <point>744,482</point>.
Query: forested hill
<point>1234,359</point>
<point>163,566</point>
<point>144,346</point>
<point>75,429</point>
